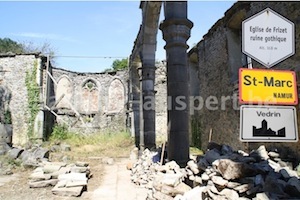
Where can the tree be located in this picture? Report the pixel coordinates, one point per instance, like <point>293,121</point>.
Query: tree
<point>8,45</point>
<point>120,64</point>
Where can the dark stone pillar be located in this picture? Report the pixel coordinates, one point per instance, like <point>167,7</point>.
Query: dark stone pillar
<point>176,31</point>
<point>148,101</point>
<point>135,101</point>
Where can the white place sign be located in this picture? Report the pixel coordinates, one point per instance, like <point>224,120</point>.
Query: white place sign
<point>268,37</point>
<point>268,123</point>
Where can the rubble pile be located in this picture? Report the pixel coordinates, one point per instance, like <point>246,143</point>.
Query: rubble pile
<point>68,180</point>
<point>222,173</point>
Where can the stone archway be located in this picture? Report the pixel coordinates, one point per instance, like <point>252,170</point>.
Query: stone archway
<point>64,92</point>
<point>90,97</point>
<point>116,96</point>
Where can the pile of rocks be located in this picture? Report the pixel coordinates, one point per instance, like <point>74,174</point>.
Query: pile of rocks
<point>221,173</point>
<point>68,180</point>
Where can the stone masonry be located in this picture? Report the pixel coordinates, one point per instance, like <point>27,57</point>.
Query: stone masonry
<point>219,59</point>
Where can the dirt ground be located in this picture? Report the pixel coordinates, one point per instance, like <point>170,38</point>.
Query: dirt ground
<point>18,189</point>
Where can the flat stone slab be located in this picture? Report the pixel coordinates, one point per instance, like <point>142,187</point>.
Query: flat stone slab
<point>42,184</point>
<point>73,177</point>
<point>70,191</point>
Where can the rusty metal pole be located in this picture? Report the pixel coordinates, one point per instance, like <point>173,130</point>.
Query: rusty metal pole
<point>176,31</point>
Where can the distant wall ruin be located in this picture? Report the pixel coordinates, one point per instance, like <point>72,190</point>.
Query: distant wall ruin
<point>90,102</point>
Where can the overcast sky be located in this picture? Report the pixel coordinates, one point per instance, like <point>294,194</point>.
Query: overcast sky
<point>105,29</point>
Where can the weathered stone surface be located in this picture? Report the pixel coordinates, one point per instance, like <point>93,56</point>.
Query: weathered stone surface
<point>81,164</point>
<point>79,169</point>
<point>73,177</point>
<point>76,183</point>
<point>41,184</point>
<point>244,188</point>
<point>39,176</point>
<point>14,153</point>
<point>48,169</point>
<point>159,195</point>
<point>219,181</point>
<point>232,170</point>
<point>62,170</point>
<point>194,194</point>
<point>229,194</point>
<point>262,152</point>
<point>65,147</point>
<point>70,191</point>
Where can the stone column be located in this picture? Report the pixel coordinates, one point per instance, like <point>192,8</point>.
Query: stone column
<point>176,31</point>
<point>148,97</point>
<point>135,98</point>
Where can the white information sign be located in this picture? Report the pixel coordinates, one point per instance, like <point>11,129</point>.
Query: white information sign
<point>268,37</point>
<point>268,123</point>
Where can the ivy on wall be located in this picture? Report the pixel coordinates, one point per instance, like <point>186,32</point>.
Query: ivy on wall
<point>33,92</point>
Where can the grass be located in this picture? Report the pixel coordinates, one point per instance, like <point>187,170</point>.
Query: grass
<point>108,143</point>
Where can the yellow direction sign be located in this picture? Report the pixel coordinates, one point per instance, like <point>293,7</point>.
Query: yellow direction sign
<point>257,86</point>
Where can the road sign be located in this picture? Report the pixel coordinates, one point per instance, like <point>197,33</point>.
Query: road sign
<point>268,37</point>
<point>268,124</point>
<point>258,86</point>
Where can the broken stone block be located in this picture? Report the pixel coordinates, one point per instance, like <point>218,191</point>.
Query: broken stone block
<point>193,194</point>
<point>160,195</point>
<point>76,183</point>
<point>243,188</point>
<point>41,153</point>
<point>233,184</point>
<point>181,188</point>
<point>262,152</point>
<point>48,169</point>
<point>39,176</point>
<point>172,165</point>
<point>14,153</point>
<point>262,196</point>
<point>231,170</point>
<point>79,169</point>
<point>62,170</point>
<point>219,181</point>
<point>273,154</point>
<point>73,177</point>
<point>205,177</point>
<point>41,184</point>
<point>81,164</point>
<point>193,166</point>
<point>70,191</point>
<point>169,179</point>
<point>229,194</point>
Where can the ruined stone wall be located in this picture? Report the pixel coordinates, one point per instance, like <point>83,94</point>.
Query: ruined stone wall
<point>219,59</point>
<point>90,102</point>
<point>13,71</point>
<point>161,101</point>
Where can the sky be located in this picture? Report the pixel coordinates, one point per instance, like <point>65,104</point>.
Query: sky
<point>88,36</point>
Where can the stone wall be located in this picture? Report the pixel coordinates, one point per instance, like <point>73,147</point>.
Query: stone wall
<point>87,102</point>
<point>13,69</point>
<point>219,59</point>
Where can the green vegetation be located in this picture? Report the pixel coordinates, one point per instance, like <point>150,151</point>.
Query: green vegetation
<point>33,93</point>
<point>108,143</point>
<point>8,45</point>
<point>118,65</point>
<point>196,132</point>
